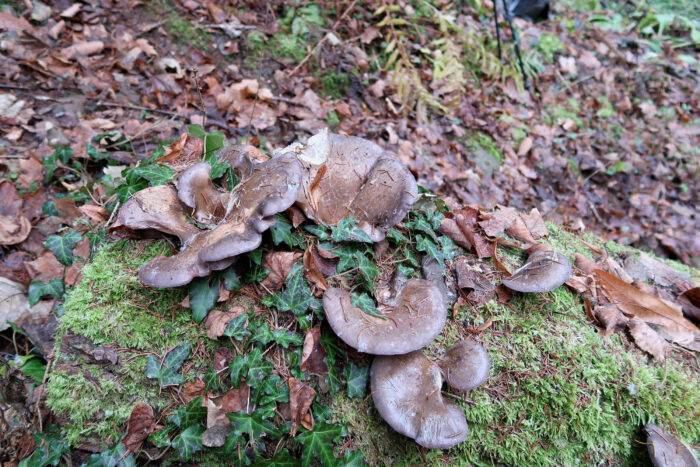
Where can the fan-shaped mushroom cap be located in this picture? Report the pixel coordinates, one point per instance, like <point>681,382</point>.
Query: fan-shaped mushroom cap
<point>665,450</point>
<point>348,176</point>
<point>406,392</point>
<point>417,317</point>
<point>465,365</point>
<point>271,188</point>
<point>157,208</point>
<point>195,189</point>
<point>544,271</point>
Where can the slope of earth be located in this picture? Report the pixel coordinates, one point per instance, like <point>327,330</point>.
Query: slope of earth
<point>559,393</point>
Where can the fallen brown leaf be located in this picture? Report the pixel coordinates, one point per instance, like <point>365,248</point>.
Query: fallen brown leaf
<point>313,353</point>
<point>301,396</point>
<point>279,263</point>
<point>217,321</point>
<point>647,339</point>
<point>141,424</point>
<point>312,270</point>
<point>193,389</point>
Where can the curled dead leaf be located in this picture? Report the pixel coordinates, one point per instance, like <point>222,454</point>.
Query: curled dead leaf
<point>313,353</point>
<point>301,396</point>
<point>141,424</point>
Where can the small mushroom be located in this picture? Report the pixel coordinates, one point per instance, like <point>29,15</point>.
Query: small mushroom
<point>406,392</point>
<point>157,208</point>
<point>346,176</point>
<point>465,365</point>
<point>416,316</point>
<point>665,450</point>
<point>270,188</point>
<point>196,190</point>
<point>544,271</point>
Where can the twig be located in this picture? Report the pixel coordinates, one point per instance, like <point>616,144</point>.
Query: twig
<point>313,51</point>
<point>250,120</point>
<point>138,107</point>
<point>201,101</point>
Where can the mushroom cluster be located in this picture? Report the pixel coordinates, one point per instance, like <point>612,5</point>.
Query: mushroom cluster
<point>406,392</point>
<point>234,220</point>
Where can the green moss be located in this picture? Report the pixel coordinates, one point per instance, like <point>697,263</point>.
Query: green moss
<point>606,109</point>
<point>186,33</point>
<point>559,393</point>
<point>549,44</point>
<point>335,84</point>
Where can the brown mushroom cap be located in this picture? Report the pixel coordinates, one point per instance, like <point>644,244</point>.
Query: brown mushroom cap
<point>544,271</point>
<point>196,190</point>
<point>348,176</point>
<point>418,316</point>
<point>406,392</point>
<point>157,208</point>
<point>465,365</point>
<point>665,450</point>
<point>271,188</point>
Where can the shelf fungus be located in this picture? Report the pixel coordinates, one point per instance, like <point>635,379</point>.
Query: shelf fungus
<point>346,176</point>
<point>465,365</point>
<point>235,221</point>
<point>544,271</point>
<point>406,392</point>
<point>410,320</point>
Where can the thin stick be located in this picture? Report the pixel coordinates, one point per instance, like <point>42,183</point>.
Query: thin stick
<point>201,101</point>
<point>138,107</point>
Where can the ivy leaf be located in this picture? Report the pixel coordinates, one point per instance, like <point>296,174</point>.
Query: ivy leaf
<point>397,237</point>
<point>330,344</point>
<point>231,280</point>
<point>37,290</point>
<point>60,154</point>
<point>282,232</point>
<point>421,223</point>
<point>254,425</point>
<point>297,296</point>
<point>62,246</point>
<point>263,334</point>
<point>427,246</point>
<point>365,303</point>
<point>204,292</point>
<point>193,412</point>
<point>449,248</point>
<point>213,141</point>
<point>50,452</point>
<point>318,230</point>
<point>348,231</point>
<point>236,328</point>
<point>319,444</point>
<point>251,365</point>
<point>347,258</point>
<point>285,337</point>
<point>272,389</point>
<point>114,457</point>
<point>357,378</point>
<point>156,174</point>
<point>161,438</point>
<point>189,441</point>
<point>167,372</point>
<point>354,459</point>
<point>367,268</point>
<point>33,367</point>
<point>196,131</point>
<point>125,190</point>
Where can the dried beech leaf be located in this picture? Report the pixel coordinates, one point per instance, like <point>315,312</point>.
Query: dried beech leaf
<point>141,424</point>
<point>301,396</point>
<point>647,339</point>
<point>313,353</point>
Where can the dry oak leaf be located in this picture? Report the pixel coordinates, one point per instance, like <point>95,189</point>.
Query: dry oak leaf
<point>141,424</point>
<point>301,396</point>
<point>636,303</point>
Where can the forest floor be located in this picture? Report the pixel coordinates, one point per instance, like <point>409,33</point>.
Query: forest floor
<point>605,141</point>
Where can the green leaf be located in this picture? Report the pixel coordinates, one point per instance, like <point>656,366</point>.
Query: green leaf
<point>282,232</point>
<point>297,296</point>
<point>368,269</point>
<point>285,337</point>
<point>34,367</point>
<point>62,246</point>
<point>213,142</point>
<point>49,163</point>
<point>193,412</point>
<point>114,457</point>
<point>37,290</point>
<point>427,246</point>
<point>52,447</point>
<point>354,459</point>
<point>161,438</point>
<point>347,258</point>
<point>318,230</point>
<point>365,303</point>
<point>167,372</point>
<point>272,389</point>
<point>125,190</point>
<point>156,174</point>
<point>448,247</point>
<point>330,344</point>
<point>196,131</point>
<point>49,208</point>
<point>282,459</point>
<point>357,378</point>
<point>211,380</point>
<point>254,425</point>
<point>397,237</point>
<point>348,231</point>
<point>251,365</point>
<point>95,154</point>
<point>189,441</point>
<point>319,444</point>
<point>204,291</point>
<point>263,334</point>
<point>236,328</point>
<point>231,280</point>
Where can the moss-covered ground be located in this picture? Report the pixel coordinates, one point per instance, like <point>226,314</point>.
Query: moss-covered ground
<point>559,392</point>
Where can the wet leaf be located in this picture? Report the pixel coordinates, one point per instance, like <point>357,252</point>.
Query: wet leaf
<point>237,328</point>
<point>313,353</point>
<point>62,246</point>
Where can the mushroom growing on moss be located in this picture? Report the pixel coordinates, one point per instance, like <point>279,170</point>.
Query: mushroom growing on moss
<point>416,316</point>
<point>465,365</point>
<point>544,271</point>
<point>406,392</point>
<point>240,217</point>
<point>346,176</point>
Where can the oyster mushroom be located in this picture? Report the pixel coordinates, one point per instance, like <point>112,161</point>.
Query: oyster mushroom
<point>544,271</point>
<point>665,450</point>
<point>157,208</point>
<point>465,365</point>
<point>195,190</point>
<point>415,317</point>
<point>270,188</point>
<point>406,392</point>
<point>346,176</point>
